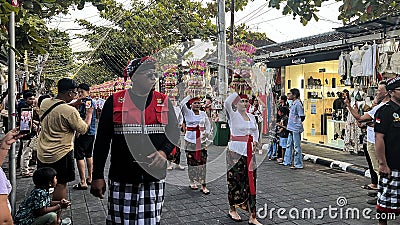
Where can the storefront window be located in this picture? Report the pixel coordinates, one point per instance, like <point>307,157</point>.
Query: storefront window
<point>320,85</point>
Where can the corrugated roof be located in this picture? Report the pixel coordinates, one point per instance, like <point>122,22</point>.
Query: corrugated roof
<point>388,22</point>
<point>301,42</point>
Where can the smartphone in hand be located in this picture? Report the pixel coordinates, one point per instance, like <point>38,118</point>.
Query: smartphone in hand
<point>25,123</point>
<point>88,103</point>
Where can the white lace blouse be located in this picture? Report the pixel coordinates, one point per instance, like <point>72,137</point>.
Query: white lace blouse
<point>239,127</point>
<point>192,120</point>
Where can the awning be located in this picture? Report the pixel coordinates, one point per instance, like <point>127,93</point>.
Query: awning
<point>306,58</point>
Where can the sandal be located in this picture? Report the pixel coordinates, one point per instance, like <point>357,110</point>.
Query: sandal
<point>79,186</point>
<point>296,168</point>
<point>26,175</point>
<point>233,218</point>
<point>88,182</point>
<point>193,187</point>
<point>206,191</point>
<point>367,187</point>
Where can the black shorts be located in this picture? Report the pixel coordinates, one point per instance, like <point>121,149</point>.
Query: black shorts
<point>65,168</point>
<point>83,147</point>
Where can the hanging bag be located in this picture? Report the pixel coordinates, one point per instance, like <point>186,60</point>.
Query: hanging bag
<point>50,109</point>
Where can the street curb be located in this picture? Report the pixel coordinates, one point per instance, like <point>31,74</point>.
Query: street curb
<point>347,167</point>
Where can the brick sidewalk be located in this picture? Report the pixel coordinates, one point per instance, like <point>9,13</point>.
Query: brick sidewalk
<point>277,186</point>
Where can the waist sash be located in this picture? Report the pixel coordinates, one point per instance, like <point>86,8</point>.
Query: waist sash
<point>250,172</point>
<point>198,141</point>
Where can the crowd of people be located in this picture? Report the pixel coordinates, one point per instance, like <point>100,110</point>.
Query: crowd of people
<point>45,152</point>
<point>140,128</point>
<point>382,123</point>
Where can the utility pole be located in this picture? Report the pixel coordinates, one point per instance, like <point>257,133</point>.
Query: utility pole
<point>11,108</point>
<point>232,21</point>
<point>231,41</point>
<point>222,76</point>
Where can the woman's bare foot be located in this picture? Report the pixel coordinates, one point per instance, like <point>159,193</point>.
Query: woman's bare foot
<point>205,190</point>
<point>254,221</point>
<point>234,216</point>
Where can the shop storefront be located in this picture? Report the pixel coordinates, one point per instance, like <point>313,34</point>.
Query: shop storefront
<point>325,71</point>
<point>316,76</point>
<point>320,88</point>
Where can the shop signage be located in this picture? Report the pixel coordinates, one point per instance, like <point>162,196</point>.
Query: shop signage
<point>299,61</point>
<point>305,58</point>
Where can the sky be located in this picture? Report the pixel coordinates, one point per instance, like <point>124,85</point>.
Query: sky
<point>257,15</point>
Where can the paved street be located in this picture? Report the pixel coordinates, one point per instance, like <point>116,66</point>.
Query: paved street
<point>315,187</point>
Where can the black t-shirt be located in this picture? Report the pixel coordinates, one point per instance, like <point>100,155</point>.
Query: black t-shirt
<point>284,133</point>
<point>338,104</point>
<point>387,122</point>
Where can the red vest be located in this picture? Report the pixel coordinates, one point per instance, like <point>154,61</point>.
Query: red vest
<point>128,119</point>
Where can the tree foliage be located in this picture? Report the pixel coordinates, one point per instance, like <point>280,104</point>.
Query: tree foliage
<point>349,10</point>
<point>31,31</point>
<point>242,33</point>
<point>144,29</point>
<point>60,60</point>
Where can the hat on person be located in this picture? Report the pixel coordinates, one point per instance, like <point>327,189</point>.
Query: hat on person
<point>241,96</point>
<point>144,64</point>
<point>194,99</point>
<point>66,84</point>
<point>393,83</point>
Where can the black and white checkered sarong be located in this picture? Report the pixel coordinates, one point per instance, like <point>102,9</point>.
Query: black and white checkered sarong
<point>135,204</point>
<point>389,193</point>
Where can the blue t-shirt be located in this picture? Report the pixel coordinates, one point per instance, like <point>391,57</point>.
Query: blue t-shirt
<point>37,199</point>
<point>82,112</point>
<point>294,121</point>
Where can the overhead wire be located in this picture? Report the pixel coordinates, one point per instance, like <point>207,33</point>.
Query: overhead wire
<point>257,9</point>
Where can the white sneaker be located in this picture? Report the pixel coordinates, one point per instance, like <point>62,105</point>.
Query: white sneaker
<point>170,167</point>
<point>260,152</point>
<point>66,221</point>
<point>51,190</point>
